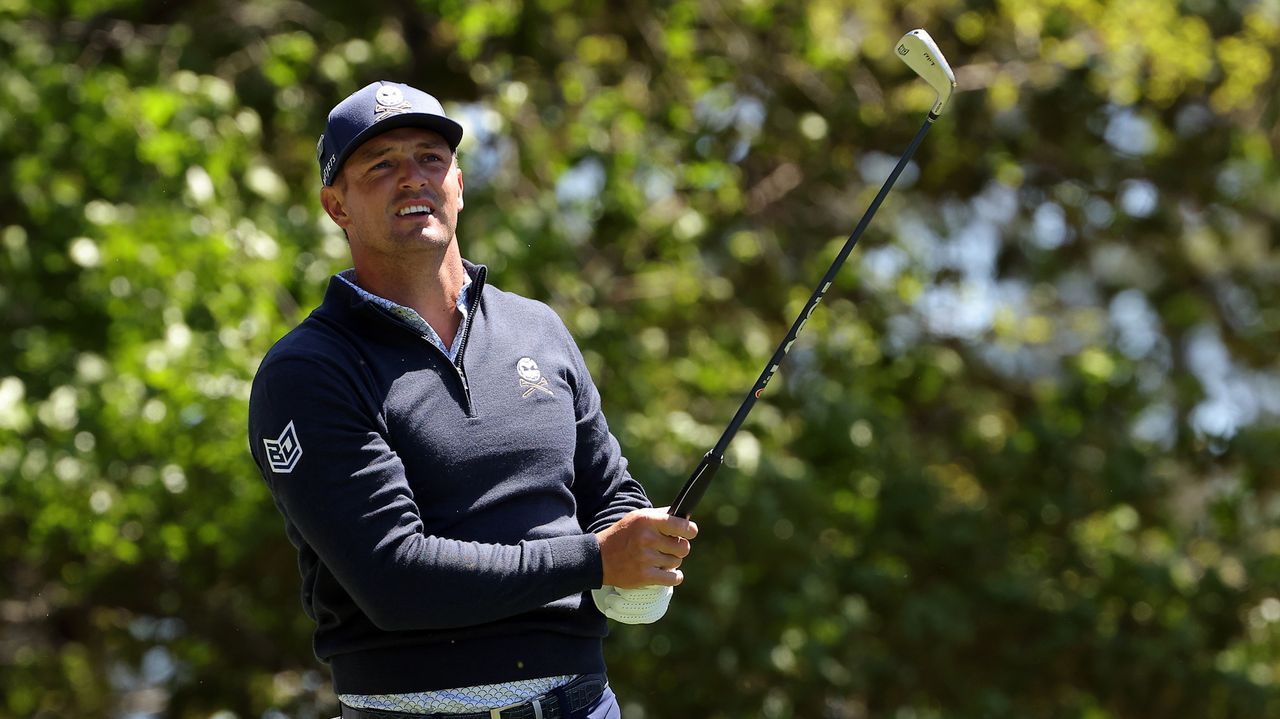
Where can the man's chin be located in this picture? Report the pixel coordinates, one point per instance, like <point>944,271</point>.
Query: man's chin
<point>429,237</point>
<point>435,234</point>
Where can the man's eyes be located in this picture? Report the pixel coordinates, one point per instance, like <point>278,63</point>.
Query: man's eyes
<point>426,157</point>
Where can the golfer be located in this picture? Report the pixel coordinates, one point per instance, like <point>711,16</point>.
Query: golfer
<point>464,520</point>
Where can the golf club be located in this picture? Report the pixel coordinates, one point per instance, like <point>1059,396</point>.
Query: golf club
<point>921,54</point>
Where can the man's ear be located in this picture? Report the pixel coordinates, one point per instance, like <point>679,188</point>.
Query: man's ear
<point>460,202</point>
<point>331,201</point>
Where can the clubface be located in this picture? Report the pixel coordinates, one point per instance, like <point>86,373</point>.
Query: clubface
<point>921,54</point>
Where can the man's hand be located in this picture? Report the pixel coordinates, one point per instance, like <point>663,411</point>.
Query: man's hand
<point>645,548</point>
<point>645,605</point>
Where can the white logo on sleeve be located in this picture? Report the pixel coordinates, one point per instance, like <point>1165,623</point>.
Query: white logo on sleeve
<point>531,379</point>
<point>284,452</point>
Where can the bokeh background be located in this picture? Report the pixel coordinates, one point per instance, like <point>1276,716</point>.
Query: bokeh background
<point>1022,463</point>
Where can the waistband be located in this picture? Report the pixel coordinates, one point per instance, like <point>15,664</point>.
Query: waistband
<point>555,704</point>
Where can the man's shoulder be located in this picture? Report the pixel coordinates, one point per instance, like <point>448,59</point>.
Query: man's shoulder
<point>518,308</point>
<point>312,342</point>
<point>322,333</point>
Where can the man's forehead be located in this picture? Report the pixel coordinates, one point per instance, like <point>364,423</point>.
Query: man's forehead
<point>403,136</point>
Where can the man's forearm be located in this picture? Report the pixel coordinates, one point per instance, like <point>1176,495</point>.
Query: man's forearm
<point>434,583</point>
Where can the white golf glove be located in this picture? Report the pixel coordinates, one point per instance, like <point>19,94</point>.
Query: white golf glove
<point>643,605</point>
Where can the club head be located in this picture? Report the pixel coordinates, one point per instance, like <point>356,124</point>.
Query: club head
<point>921,54</point>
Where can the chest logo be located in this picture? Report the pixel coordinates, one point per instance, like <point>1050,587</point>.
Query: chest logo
<point>531,379</point>
<point>284,452</point>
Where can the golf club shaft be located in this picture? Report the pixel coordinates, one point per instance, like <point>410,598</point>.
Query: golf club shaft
<point>697,483</point>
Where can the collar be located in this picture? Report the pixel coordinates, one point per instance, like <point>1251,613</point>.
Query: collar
<point>410,316</point>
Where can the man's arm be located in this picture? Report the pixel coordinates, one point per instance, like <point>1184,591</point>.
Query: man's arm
<point>347,498</point>
<point>640,546</point>
<point>604,489</point>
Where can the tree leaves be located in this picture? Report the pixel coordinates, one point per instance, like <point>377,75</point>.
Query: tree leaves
<point>1020,464</point>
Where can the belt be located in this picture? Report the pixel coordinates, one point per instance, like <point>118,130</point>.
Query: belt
<point>558,703</point>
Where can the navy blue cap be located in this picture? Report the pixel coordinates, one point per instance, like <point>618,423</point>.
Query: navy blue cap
<point>375,109</point>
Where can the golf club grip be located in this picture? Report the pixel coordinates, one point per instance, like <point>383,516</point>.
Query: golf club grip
<point>696,486</point>
<point>697,483</point>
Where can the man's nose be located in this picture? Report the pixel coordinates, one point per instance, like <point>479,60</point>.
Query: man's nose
<point>414,174</point>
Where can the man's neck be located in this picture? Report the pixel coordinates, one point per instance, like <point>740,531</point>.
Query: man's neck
<point>431,290</point>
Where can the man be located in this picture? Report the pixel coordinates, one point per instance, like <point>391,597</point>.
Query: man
<point>438,451</point>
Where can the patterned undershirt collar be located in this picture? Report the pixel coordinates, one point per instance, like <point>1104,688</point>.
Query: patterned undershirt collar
<point>410,315</point>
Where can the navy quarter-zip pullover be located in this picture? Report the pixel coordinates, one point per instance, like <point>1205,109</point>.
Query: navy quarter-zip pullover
<point>444,512</point>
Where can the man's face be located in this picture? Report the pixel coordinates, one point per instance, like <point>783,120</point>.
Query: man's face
<point>399,191</point>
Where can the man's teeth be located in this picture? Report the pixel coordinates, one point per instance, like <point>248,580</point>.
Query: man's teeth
<point>411,209</point>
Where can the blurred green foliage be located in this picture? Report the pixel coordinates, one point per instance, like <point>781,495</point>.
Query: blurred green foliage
<point>1022,463</point>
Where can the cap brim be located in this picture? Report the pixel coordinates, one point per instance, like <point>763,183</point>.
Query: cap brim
<point>448,129</point>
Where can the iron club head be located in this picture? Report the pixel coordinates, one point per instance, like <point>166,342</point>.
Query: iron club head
<point>921,54</point>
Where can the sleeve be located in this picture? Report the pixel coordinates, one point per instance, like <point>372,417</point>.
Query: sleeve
<point>604,489</point>
<point>319,439</point>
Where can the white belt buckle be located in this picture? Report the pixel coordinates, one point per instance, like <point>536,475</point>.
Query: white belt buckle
<point>537,709</point>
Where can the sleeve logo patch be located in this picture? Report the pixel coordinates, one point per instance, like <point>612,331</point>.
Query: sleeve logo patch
<point>284,452</point>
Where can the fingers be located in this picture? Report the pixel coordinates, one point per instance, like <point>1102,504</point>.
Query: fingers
<point>676,547</point>
<point>645,548</point>
<point>674,526</point>
<point>665,560</point>
<point>672,535</point>
<point>661,551</point>
<point>665,577</point>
